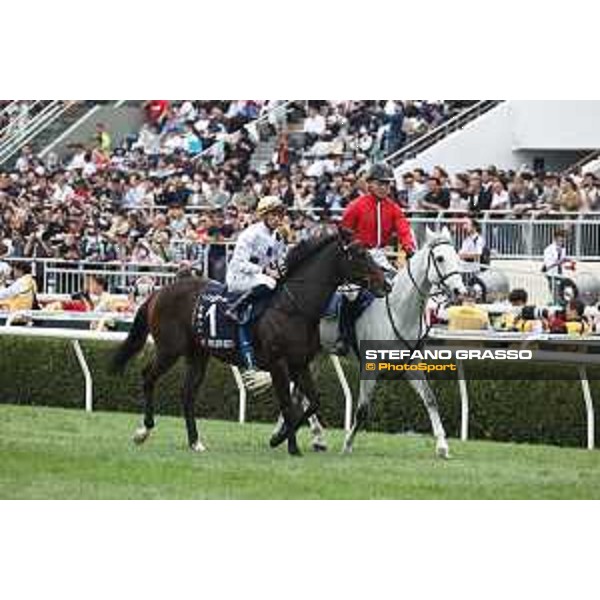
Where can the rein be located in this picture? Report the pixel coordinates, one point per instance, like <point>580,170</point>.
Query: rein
<point>423,297</point>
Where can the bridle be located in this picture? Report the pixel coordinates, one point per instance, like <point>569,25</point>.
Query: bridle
<point>442,277</point>
<point>423,297</point>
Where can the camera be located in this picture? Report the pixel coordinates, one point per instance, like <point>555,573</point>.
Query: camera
<point>530,313</point>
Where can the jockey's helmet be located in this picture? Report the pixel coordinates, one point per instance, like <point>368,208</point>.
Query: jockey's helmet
<point>380,172</point>
<point>269,204</point>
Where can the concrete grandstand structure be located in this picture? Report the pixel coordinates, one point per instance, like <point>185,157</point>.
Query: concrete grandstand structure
<point>541,134</point>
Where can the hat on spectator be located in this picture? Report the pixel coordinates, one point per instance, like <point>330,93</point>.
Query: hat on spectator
<point>269,204</point>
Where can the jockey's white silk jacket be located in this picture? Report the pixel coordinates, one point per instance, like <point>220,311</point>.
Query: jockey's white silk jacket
<point>257,247</point>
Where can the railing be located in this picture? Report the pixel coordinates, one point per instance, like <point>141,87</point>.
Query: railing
<point>485,338</point>
<point>70,129</point>
<point>8,107</point>
<point>74,336</point>
<point>525,238</point>
<point>20,120</point>
<point>57,276</point>
<point>508,240</point>
<point>439,133</point>
<point>15,140</point>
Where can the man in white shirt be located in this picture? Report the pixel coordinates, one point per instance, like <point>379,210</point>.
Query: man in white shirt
<point>62,191</point>
<point>555,258</point>
<point>24,161</point>
<point>472,249</point>
<point>314,124</point>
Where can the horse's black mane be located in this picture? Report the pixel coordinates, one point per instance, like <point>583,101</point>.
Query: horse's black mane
<point>306,248</point>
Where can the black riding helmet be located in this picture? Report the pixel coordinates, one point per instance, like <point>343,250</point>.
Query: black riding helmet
<point>381,172</point>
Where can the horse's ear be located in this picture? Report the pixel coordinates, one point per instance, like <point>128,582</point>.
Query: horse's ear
<point>429,235</point>
<point>446,233</point>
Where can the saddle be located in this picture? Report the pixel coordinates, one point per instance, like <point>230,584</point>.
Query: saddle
<point>212,322</point>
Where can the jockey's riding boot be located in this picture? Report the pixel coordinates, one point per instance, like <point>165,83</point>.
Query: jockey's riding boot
<point>341,347</point>
<point>246,349</point>
<point>234,311</point>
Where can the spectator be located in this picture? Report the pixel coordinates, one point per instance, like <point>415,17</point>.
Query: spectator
<point>522,198</point>
<point>5,268</point>
<point>480,199</point>
<point>437,197</point>
<point>21,294</point>
<point>103,140</point>
<point>467,316</point>
<point>555,259</point>
<point>549,198</point>
<point>524,320</point>
<point>590,193</point>
<point>157,112</point>
<point>314,125</point>
<point>500,199</point>
<point>474,251</point>
<point>459,193</point>
<point>570,199</point>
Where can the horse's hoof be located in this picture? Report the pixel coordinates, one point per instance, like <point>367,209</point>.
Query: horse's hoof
<point>319,447</point>
<point>198,447</point>
<point>443,452</point>
<point>141,435</point>
<point>278,437</point>
<point>294,452</point>
<point>346,449</point>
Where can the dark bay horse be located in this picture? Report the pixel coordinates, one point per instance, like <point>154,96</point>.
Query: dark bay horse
<point>286,335</point>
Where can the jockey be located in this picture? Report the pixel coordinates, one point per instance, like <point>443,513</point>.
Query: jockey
<point>253,266</point>
<point>374,217</point>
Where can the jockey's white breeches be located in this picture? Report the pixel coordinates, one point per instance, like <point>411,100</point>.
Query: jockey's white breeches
<point>242,282</point>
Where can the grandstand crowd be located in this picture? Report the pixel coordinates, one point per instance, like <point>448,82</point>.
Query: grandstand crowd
<point>188,178</point>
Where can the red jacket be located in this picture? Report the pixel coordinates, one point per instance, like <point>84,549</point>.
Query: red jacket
<point>361,217</point>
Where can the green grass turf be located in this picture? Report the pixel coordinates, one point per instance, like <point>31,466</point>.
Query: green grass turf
<point>55,453</point>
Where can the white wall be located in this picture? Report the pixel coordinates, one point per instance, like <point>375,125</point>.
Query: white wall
<point>485,141</point>
<point>555,124</point>
<point>514,133</point>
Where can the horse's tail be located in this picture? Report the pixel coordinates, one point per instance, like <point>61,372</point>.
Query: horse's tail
<point>134,342</point>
